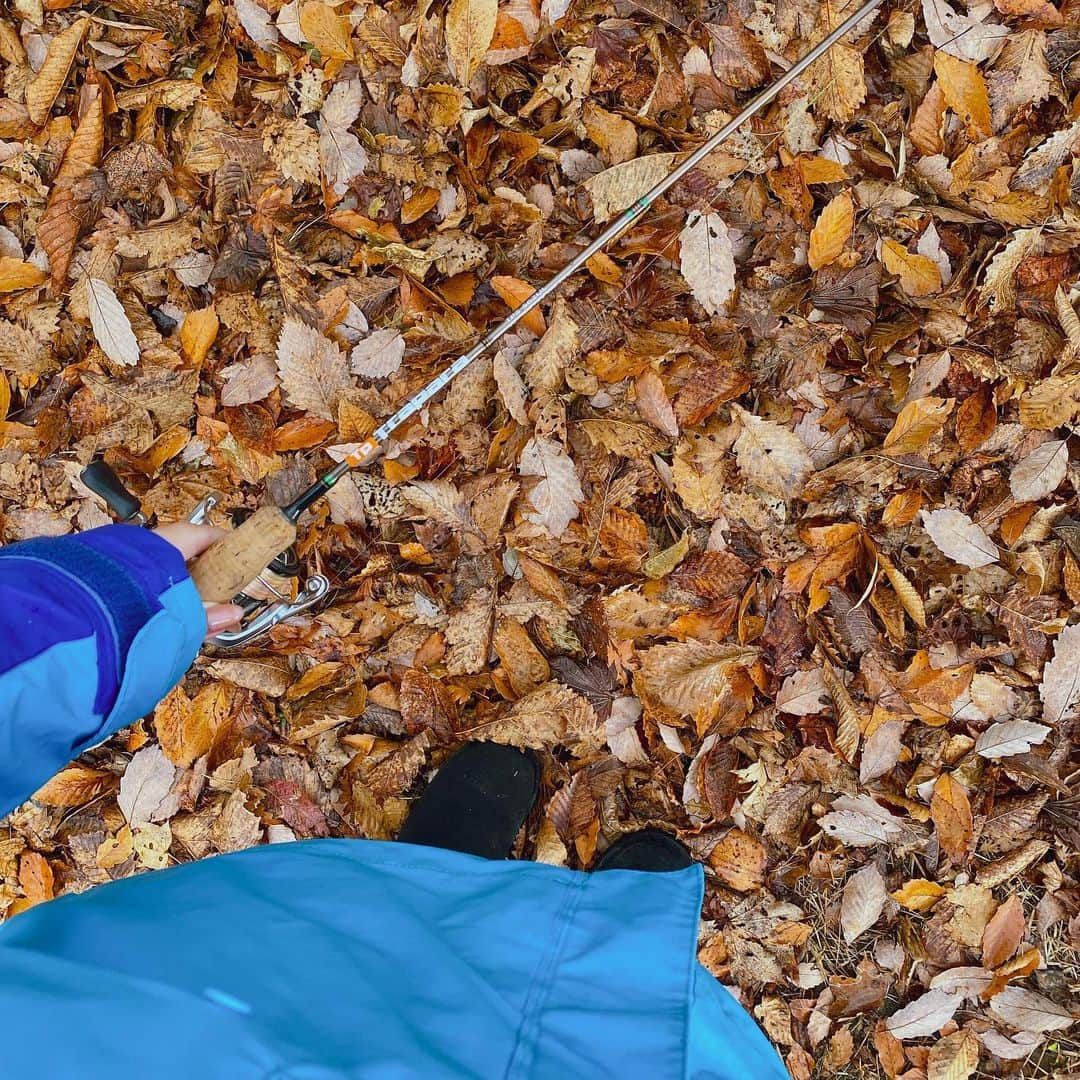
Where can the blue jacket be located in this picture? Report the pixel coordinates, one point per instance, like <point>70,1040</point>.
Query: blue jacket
<point>323,959</point>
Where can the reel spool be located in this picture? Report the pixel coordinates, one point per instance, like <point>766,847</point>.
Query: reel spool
<point>278,593</point>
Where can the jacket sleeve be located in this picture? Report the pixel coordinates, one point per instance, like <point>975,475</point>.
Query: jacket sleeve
<point>724,1042</point>
<point>95,629</point>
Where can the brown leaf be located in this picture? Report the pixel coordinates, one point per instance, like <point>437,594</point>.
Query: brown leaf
<point>890,1051</point>
<point>976,418</point>
<point>514,292</point>
<point>691,677</point>
<point>847,716</point>
<point>956,1056</point>
<point>525,665</point>
<point>43,89</point>
<point>75,786</point>
<point>951,812</point>
<point>289,801</point>
<point>1003,933</point>
<point>36,877</point>
<point>739,859</point>
<point>654,405</point>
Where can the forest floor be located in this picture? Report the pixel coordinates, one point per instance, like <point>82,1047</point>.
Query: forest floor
<point>763,531</point>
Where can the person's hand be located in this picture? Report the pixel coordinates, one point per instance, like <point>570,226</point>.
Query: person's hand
<point>191,540</point>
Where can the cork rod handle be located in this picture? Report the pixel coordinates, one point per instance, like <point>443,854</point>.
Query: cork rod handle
<point>239,557</point>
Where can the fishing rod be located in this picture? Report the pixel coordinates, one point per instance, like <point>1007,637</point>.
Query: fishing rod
<point>239,557</point>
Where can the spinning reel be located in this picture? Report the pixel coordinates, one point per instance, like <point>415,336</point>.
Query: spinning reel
<point>276,594</point>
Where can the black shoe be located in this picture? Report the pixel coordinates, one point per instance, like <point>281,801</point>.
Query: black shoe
<point>647,849</point>
<point>477,802</point>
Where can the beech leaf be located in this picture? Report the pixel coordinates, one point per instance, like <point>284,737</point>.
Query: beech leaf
<point>112,327</point>
<point>379,355</point>
<point>927,1014</point>
<point>311,367</point>
<point>556,497</point>
<point>707,261</point>
<point>255,20</point>
<point>1060,687</point>
<point>831,230</point>
<point>1009,737</point>
<point>145,784</point>
<point>1026,1010</point>
<point>1041,472</point>
<point>958,537</point>
<point>863,902</point>
<point>470,26</point>
<point>770,456</point>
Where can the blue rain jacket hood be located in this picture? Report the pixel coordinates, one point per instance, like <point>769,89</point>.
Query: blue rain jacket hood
<point>322,959</point>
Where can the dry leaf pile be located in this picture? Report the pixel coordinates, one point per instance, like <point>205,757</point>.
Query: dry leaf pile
<point>763,531</point>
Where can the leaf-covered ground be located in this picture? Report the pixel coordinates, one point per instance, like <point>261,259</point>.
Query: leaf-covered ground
<point>761,532</point>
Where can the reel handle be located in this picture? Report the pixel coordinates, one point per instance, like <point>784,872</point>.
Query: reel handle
<point>238,558</point>
<point>102,481</point>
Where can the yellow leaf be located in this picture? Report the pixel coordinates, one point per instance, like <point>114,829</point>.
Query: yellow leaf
<point>838,86</point>
<point>36,877</point>
<point>41,91</point>
<point>514,292</point>
<point>918,275</point>
<point>151,845</point>
<point>820,170</point>
<point>917,423</point>
<point>847,716</point>
<point>919,894</point>
<point>901,509</point>
<point>167,445</point>
<point>614,189</point>
<point>964,89</point>
<point>198,333</point>
<point>831,231</point>
<point>114,850</point>
<point>604,268</point>
<point>912,601</point>
<point>470,26</point>
<point>326,30</point>
<point>662,564</point>
<point>955,1057</point>
<point>5,397</point>
<point>16,274</point>
<point>185,727</point>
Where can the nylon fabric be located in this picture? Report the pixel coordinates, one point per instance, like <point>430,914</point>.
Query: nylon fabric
<point>328,959</point>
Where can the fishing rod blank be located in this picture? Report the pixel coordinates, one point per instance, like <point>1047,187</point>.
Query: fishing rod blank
<point>238,558</point>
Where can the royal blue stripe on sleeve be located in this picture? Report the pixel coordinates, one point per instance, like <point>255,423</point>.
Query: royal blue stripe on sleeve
<point>105,582</point>
<point>154,563</point>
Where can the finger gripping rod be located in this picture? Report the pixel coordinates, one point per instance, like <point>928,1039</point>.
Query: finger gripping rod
<point>235,560</point>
